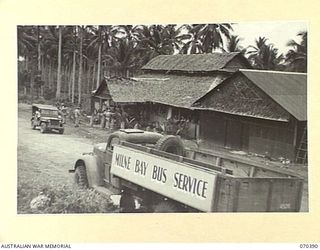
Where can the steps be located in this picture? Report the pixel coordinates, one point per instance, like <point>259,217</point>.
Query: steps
<point>302,152</point>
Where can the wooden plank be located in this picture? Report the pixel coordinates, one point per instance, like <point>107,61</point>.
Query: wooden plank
<point>218,161</point>
<point>269,199</point>
<point>252,171</point>
<point>299,197</point>
<point>235,198</point>
<point>217,191</point>
<point>249,162</point>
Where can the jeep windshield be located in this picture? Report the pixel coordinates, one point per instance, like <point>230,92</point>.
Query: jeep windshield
<point>49,112</point>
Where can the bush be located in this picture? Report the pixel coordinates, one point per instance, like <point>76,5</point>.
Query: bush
<point>29,99</point>
<point>64,199</point>
<point>48,93</point>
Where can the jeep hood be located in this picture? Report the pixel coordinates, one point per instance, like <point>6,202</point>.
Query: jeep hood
<point>50,118</point>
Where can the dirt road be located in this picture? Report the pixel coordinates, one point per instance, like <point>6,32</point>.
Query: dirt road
<point>44,159</point>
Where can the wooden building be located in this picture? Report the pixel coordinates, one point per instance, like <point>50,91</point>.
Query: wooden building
<point>263,112</point>
<point>170,84</point>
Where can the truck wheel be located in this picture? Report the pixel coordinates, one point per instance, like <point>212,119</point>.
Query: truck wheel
<point>171,144</point>
<point>43,127</point>
<point>80,176</point>
<point>61,131</point>
<point>165,207</point>
<point>127,203</point>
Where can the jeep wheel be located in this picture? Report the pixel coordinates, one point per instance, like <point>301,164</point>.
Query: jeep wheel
<point>80,176</point>
<point>171,144</point>
<point>61,131</point>
<point>43,127</point>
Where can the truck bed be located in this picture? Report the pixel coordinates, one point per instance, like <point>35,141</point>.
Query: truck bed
<point>225,191</point>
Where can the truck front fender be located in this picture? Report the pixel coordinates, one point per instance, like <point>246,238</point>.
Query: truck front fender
<point>94,169</point>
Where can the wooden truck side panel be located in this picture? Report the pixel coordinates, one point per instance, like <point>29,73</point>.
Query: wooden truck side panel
<point>224,192</point>
<point>176,180</point>
<point>257,194</point>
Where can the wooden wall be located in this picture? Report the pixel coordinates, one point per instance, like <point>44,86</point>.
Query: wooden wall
<point>263,137</point>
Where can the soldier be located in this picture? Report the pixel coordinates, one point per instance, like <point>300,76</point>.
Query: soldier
<point>64,113</point>
<point>108,116</point>
<point>77,116</point>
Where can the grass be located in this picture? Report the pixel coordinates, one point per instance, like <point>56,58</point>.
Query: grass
<point>64,199</point>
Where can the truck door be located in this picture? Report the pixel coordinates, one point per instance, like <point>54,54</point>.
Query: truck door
<point>108,158</point>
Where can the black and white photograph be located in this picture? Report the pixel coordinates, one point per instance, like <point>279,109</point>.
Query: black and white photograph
<point>162,118</point>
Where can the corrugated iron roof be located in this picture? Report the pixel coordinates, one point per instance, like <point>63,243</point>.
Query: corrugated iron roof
<point>192,63</point>
<point>286,88</point>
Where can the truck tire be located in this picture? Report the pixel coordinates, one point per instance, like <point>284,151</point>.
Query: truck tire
<point>165,207</point>
<point>80,176</point>
<point>127,203</point>
<point>43,127</point>
<point>61,131</point>
<point>171,144</point>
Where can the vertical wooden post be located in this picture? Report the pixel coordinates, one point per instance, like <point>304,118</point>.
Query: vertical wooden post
<point>225,132</point>
<point>235,198</point>
<point>269,198</point>
<point>198,131</point>
<point>295,134</point>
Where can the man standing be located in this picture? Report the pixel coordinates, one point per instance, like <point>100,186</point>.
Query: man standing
<point>64,113</point>
<point>77,116</point>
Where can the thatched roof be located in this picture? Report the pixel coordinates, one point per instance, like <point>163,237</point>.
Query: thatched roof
<point>196,62</point>
<point>174,90</point>
<point>270,95</point>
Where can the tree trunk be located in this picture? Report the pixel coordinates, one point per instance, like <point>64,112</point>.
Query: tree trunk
<point>80,67</point>
<point>93,74</point>
<point>73,76</point>
<point>26,63</point>
<point>88,79</point>
<point>99,65</point>
<point>50,75</point>
<point>39,87</point>
<point>58,93</point>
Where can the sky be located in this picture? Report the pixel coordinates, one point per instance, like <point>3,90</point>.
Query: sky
<point>278,33</point>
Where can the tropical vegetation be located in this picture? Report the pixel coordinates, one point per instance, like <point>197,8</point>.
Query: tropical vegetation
<point>68,62</point>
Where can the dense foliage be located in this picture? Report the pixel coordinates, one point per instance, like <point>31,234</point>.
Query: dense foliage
<point>65,62</point>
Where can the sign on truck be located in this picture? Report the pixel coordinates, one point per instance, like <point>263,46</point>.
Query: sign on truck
<point>178,181</point>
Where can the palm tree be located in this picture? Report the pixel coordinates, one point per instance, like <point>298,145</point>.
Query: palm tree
<point>194,44</point>
<point>58,92</point>
<point>80,63</point>
<point>297,57</point>
<point>101,40</point>
<point>264,56</point>
<point>27,41</point>
<point>70,52</point>
<point>157,40</point>
<point>233,45</point>
<point>206,38</point>
<point>212,35</point>
<point>124,57</point>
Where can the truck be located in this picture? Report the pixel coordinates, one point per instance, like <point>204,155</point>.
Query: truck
<point>154,173</point>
